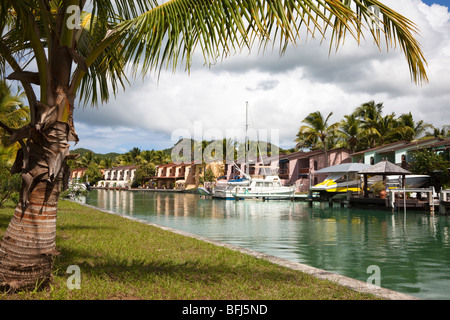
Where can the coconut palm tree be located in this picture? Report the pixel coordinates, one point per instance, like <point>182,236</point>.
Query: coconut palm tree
<point>350,130</point>
<point>83,50</point>
<point>317,132</point>
<point>436,132</point>
<point>408,129</point>
<point>370,115</point>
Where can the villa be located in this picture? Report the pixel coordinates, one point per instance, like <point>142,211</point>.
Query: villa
<point>177,176</point>
<point>298,168</point>
<point>400,152</point>
<point>118,177</point>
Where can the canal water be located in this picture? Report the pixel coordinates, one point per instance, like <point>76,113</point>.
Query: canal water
<point>412,251</point>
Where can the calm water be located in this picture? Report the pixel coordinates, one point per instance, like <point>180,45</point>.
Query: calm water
<point>412,251</point>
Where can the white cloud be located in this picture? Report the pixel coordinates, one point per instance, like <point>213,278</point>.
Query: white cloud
<point>280,91</point>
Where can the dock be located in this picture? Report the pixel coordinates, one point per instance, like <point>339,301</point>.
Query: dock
<point>395,199</point>
<point>444,202</point>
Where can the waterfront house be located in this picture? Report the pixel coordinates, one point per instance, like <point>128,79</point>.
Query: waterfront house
<point>77,174</point>
<point>298,168</point>
<point>400,152</point>
<point>184,175</point>
<point>118,177</point>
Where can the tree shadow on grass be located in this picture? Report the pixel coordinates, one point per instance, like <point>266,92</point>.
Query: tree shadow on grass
<point>186,272</point>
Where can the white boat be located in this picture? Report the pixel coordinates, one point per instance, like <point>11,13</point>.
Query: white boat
<point>267,185</point>
<point>411,181</point>
<point>268,188</point>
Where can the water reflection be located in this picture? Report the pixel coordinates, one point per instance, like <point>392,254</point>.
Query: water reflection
<point>411,250</point>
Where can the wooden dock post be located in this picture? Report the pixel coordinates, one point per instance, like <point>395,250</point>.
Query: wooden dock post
<point>443,200</point>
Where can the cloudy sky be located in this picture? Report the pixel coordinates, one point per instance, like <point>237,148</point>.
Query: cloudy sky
<point>280,91</point>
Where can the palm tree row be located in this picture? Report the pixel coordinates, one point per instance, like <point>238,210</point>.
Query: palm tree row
<point>366,127</point>
<point>133,157</point>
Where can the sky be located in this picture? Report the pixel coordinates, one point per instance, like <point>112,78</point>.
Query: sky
<point>211,101</point>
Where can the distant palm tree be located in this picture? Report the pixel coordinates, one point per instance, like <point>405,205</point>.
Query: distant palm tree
<point>317,129</point>
<point>350,130</point>
<point>135,154</point>
<point>443,132</point>
<point>371,116</point>
<point>410,130</point>
<point>85,160</point>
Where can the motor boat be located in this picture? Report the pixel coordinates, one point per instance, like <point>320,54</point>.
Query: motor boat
<point>339,182</point>
<point>266,188</point>
<point>411,181</point>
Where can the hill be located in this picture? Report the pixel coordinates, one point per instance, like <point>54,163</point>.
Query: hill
<point>82,152</point>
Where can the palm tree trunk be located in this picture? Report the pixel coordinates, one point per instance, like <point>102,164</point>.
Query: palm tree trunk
<point>28,246</point>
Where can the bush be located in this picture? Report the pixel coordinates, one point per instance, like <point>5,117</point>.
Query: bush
<point>144,171</point>
<point>9,185</point>
<point>433,164</point>
<point>377,187</point>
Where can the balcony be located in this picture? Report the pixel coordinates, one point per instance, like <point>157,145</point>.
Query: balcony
<point>303,170</point>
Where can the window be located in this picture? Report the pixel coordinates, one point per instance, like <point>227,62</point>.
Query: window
<point>315,165</point>
<point>372,161</point>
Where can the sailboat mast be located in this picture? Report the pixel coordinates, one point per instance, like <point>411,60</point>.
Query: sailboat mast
<point>247,169</point>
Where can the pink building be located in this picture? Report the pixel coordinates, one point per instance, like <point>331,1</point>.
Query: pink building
<point>299,167</point>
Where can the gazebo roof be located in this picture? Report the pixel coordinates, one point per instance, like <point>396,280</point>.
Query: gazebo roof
<point>385,168</point>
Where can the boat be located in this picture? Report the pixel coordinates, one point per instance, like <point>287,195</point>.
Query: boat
<point>339,182</point>
<point>224,189</point>
<point>264,186</point>
<point>341,178</point>
<point>411,181</point>
<point>203,191</point>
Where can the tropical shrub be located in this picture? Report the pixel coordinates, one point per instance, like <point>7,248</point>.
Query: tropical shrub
<point>9,184</point>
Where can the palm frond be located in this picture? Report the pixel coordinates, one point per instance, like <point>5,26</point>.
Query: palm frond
<point>169,34</point>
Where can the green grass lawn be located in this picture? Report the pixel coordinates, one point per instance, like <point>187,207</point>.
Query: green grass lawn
<point>123,259</point>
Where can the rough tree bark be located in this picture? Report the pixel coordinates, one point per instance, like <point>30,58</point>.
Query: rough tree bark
<point>28,246</point>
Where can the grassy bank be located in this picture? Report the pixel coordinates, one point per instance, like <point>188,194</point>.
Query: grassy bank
<point>123,259</point>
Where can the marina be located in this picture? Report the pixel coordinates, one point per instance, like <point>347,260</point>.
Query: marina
<point>410,249</point>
